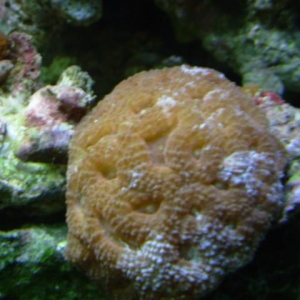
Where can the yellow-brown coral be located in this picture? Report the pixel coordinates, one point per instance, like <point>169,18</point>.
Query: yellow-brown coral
<point>173,179</point>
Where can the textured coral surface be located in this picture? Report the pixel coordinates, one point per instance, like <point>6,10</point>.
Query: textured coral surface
<point>173,179</point>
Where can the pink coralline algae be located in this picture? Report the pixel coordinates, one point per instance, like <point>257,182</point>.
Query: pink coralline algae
<point>268,97</point>
<point>50,114</point>
<point>23,79</point>
<point>50,118</point>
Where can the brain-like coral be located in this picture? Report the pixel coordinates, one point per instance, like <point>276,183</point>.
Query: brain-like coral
<point>173,180</point>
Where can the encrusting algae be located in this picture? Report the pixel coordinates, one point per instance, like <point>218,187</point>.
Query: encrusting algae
<point>173,180</point>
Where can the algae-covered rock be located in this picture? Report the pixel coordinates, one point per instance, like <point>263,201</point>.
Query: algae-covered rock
<point>284,122</point>
<point>257,39</point>
<point>79,12</point>
<point>45,19</point>
<point>36,125</point>
<point>32,267</point>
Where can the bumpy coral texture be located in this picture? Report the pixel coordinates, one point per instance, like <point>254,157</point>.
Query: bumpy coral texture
<point>173,179</point>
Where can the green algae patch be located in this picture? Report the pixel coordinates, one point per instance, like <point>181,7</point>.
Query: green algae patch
<point>36,187</point>
<point>32,267</point>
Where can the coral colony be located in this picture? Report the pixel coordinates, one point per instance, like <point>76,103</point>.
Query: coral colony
<point>173,180</point>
